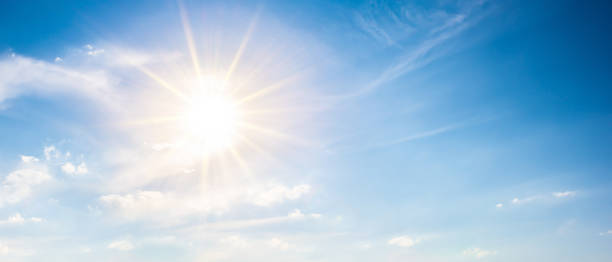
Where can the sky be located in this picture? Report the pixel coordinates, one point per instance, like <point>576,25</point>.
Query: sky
<point>470,130</point>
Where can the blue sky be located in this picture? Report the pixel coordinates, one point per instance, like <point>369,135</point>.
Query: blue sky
<point>305,131</point>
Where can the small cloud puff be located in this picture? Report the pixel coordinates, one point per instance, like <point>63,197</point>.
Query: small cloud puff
<point>277,194</point>
<point>18,219</point>
<point>121,245</point>
<point>278,244</point>
<point>499,205</point>
<point>564,194</point>
<point>403,241</point>
<point>478,253</point>
<point>29,159</point>
<point>92,51</point>
<point>69,168</point>
<point>296,214</point>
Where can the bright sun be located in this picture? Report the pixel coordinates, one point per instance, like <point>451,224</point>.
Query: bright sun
<point>215,108</point>
<point>212,121</point>
<point>211,117</point>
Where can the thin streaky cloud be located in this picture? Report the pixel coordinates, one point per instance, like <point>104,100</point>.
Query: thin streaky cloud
<point>425,53</point>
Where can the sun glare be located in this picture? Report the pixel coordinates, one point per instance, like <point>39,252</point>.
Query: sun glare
<point>215,108</point>
<point>211,118</point>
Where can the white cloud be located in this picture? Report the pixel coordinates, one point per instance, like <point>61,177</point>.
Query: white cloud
<point>315,215</point>
<point>29,159</point>
<point>95,52</point>
<point>499,205</point>
<point>296,214</point>
<point>478,253</point>
<point>82,169</point>
<point>50,152</point>
<point>137,203</point>
<point>278,243</point>
<point>18,185</point>
<point>58,59</point>
<point>122,245</point>
<point>69,168</point>
<point>564,194</point>
<point>4,249</point>
<point>15,219</point>
<point>518,201</point>
<point>384,25</point>
<point>609,232</point>
<point>235,241</point>
<point>24,76</point>
<point>277,194</point>
<point>18,219</point>
<point>403,241</point>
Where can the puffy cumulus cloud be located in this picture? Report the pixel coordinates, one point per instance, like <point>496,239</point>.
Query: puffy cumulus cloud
<point>69,168</point>
<point>276,194</point>
<point>164,207</point>
<point>499,205</point>
<point>19,184</point>
<point>154,205</point>
<point>564,194</point>
<point>403,241</point>
<point>478,253</point>
<point>121,245</point>
<point>139,203</point>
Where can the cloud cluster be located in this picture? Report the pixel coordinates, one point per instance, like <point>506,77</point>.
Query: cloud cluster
<point>20,184</point>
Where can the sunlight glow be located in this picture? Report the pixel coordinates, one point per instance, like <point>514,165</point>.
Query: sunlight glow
<point>211,120</point>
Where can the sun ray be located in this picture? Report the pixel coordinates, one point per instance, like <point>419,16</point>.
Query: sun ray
<point>164,83</point>
<point>204,168</point>
<point>189,39</point>
<point>282,83</point>
<point>150,121</point>
<point>256,70</point>
<point>274,133</point>
<point>258,149</point>
<point>243,45</point>
<point>240,161</point>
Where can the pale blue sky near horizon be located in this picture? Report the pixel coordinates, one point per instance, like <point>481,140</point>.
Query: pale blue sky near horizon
<point>467,130</point>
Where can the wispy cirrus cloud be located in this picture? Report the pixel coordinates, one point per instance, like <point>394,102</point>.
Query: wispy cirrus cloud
<point>432,28</point>
<point>27,76</point>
